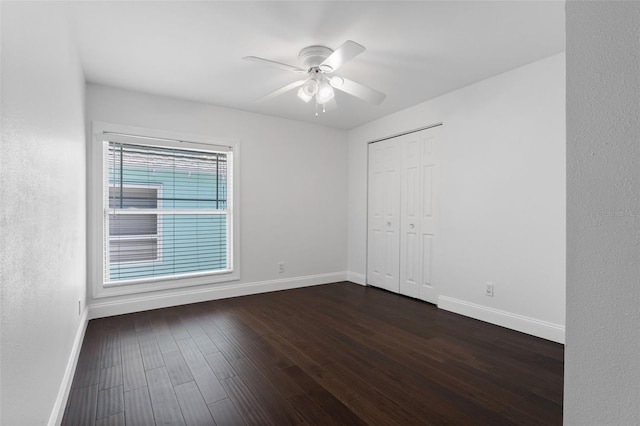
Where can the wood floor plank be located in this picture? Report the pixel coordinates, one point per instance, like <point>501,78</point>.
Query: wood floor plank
<point>81,409</point>
<point>250,409</point>
<point>86,376</point>
<point>110,402</point>
<point>110,350</point>
<point>114,420</point>
<point>166,409</point>
<point>150,351</point>
<point>223,318</point>
<point>311,412</point>
<point>205,344</point>
<point>220,366</point>
<point>177,329</point>
<point>110,377</point>
<point>322,396</point>
<point>197,333</point>
<point>266,394</point>
<point>194,409</point>
<point>266,357</point>
<point>225,413</point>
<point>207,382</point>
<point>141,321</point>
<point>205,314</point>
<point>321,355</point>
<point>177,368</point>
<point>88,366</point>
<point>270,352</point>
<point>165,339</point>
<point>229,350</point>
<point>287,339</point>
<point>137,406</point>
<point>133,376</point>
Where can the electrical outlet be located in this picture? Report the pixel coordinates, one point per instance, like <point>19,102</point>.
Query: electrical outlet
<point>281,267</point>
<point>488,290</point>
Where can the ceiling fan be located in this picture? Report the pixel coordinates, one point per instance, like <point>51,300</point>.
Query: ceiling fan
<point>319,63</point>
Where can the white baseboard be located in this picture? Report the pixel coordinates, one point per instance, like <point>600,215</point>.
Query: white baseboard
<point>357,278</point>
<point>528,325</point>
<point>144,302</point>
<point>67,380</point>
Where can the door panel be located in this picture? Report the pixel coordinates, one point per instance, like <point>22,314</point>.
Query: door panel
<point>429,164</point>
<point>383,254</point>
<point>427,239</point>
<point>427,190</point>
<point>410,214</point>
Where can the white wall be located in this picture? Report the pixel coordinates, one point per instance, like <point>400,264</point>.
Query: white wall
<point>502,196</point>
<point>602,358</point>
<point>292,192</point>
<point>42,203</point>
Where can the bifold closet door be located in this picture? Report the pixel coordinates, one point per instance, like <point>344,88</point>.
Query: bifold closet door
<point>402,221</point>
<point>383,252</point>
<point>418,222</point>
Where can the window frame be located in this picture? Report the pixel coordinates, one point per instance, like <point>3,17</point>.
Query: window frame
<point>95,174</point>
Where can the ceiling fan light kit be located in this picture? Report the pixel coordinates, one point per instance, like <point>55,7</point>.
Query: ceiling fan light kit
<point>318,62</point>
<point>309,88</point>
<point>304,95</point>
<point>336,81</point>
<point>325,92</point>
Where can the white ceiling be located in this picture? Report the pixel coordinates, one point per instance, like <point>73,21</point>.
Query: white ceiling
<point>415,50</point>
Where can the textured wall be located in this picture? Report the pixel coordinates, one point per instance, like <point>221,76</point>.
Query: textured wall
<point>602,376</point>
<point>42,193</point>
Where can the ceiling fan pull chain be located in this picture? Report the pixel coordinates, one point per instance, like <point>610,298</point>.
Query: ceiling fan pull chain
<point>316,107</point>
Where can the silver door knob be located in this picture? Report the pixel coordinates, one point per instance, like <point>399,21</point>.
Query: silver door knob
<point>411,225</point>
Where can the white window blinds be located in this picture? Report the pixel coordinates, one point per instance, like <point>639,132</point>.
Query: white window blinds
<point>167,210</point>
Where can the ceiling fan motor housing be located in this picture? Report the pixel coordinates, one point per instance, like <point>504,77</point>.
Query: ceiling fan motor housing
<point>313,56</point>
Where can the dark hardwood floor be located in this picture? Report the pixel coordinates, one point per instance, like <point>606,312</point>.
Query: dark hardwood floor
<point>337,354</point>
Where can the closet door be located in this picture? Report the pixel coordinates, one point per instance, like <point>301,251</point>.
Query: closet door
<point>418,216</point>
<point>410,214</point>
<point>383,251</point>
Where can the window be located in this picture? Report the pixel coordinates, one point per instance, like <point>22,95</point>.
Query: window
<point>168,215</point>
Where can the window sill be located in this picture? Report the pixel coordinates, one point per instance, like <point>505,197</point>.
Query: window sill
<point>110,290</point>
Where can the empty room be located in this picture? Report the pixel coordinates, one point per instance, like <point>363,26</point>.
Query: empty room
<point>319,213</point>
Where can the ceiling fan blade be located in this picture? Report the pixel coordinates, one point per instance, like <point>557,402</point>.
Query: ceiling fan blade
<point>281,91</point>
<point>345,53</point>
<point>360,91</point>
<point>274,64</point>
